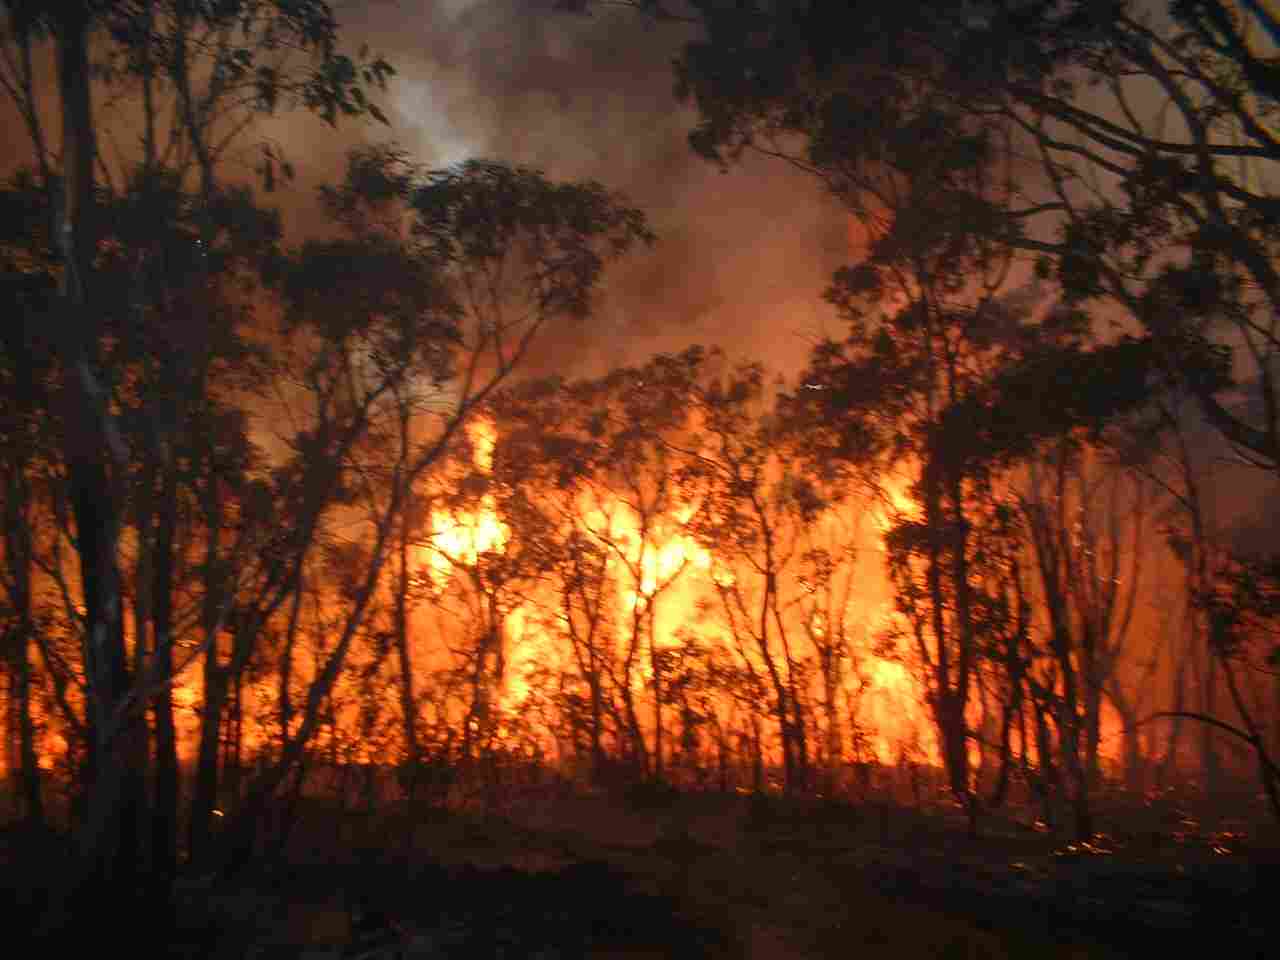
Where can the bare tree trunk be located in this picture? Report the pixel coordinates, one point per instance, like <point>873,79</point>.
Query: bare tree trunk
<point>408,703</point>
<point>832,747</point>
<point>1210,763</point>
<point>757,755</point>
<point>639,750</point>
<point>107,836</point>
<point>1048,784</point>
<point>205,788</point>
<point>1011,708</point>
<point>204,797</point>
<point>1169,762</point>
<point>32,797</point>
<point>957,735</point>
<point>597,712</point>
<point>233,756</point>
<point>1134,763</point>
<point>17,549</point>
<point>1268,772</point>
<point>655,665</point>
<point>108,840</point>
<point>1092,728</point>
<point>164,823</point>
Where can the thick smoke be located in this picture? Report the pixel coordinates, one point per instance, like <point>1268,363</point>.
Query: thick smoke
<point>742,257</point>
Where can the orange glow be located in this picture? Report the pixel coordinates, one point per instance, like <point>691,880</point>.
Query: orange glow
<point>666,587</point>
<point>462,537</point>
<point>665,582</point>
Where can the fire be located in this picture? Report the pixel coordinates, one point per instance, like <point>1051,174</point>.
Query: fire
<point>665,583</point>
<point>461,537</point>
<point>891,709</point>
<point>896,502</point>
<point>665,580</point>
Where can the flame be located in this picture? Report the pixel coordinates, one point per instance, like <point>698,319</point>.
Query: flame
<point>461,537</point>
<point>665,574</point>
<point>896,502</point>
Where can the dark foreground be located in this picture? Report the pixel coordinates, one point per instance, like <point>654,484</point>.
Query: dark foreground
<point>573,876</point>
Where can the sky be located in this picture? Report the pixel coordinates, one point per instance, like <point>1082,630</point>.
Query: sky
<point>742,256</point>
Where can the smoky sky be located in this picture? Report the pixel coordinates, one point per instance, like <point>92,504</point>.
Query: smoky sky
<point>742,256</point>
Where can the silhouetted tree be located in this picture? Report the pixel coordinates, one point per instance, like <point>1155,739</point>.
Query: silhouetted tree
<point>94,445</point>
<point>758,511</point>
<point>439,282</point>
<point>543,432</point>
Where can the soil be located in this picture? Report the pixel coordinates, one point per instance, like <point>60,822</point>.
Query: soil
<point>573,875</point>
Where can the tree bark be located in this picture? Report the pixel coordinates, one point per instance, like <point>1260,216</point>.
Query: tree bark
<point>204,798</point>
<point>164,823</point>
<point>108,835</point>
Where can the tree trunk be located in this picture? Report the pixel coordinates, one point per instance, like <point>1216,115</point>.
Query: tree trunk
<point>216,678</point>
<point>958,694</point>
<point>18,558</point>
<point>164,822</point>
<point>1092,729</point>
<point>639,750</point>
<point>597,717</point>
<point>408,704</point>
<point>757,756</point>
<point>33,803</point>
<point>204,798</point>
<point>1210,764</point>
<point>107,840</point>
<point>655,666</point>
<point>1169,762</point>
<point>1134,761</point>
<point>830,707</point>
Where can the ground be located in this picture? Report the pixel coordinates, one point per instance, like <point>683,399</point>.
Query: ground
<point>559,874</point>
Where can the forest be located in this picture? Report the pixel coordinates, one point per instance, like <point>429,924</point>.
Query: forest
<point>342,613</point>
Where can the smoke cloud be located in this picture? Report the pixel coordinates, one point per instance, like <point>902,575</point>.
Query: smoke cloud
<point>742,257</point>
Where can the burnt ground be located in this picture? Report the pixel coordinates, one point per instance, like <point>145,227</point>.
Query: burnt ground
<point>564,875</point>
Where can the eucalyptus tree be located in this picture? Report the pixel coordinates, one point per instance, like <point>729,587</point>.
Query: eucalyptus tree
<point>491,547</point>
<point>544,433</point>
<point>758,513</point>
<point>1085,525</point>
<point>136,36</point>
<point>639,503</point>
<point>27,276</point>
<point>436,283</point>
<point>1133,146</point>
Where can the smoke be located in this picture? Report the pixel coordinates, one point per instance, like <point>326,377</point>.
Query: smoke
<point>742,257</point>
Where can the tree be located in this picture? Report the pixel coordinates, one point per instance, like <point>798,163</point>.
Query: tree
<point>1165,212</point>
<point>827,577</point>
<point>756,520</point>
<point>890,395</point>
<point>93,445</point>
<point>491,546</point>
<point>1242,609</point>
<point>1031,127</point>
<point>1085,529</point>
<point>436,283</point>
<point>633,502</point>
<point>544,434</point>
<point>25,362</point>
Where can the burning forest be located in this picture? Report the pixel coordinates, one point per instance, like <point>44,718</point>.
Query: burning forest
<point>584,479</point>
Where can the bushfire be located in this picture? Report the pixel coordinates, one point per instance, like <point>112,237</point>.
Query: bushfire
<point>681,648</point>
